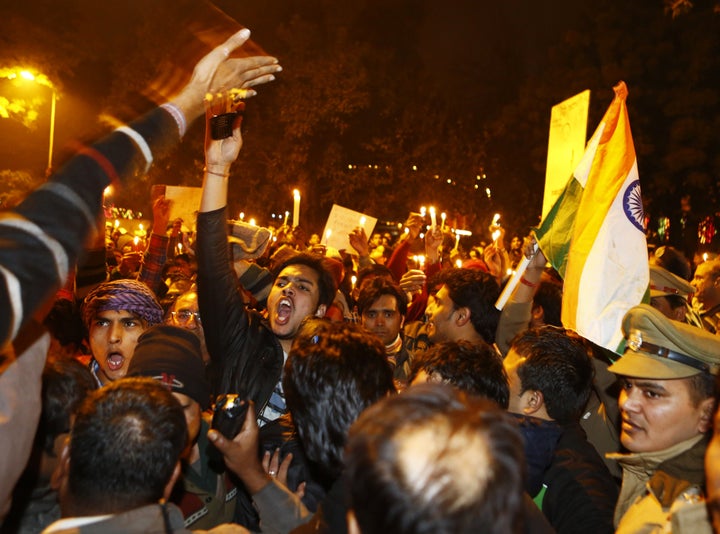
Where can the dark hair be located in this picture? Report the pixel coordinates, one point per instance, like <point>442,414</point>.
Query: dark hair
<point>703,386</point>
<point>673,260</point>
<point>183,257</point>
<point>549,296</point>
<point>372,271</point>
<point>378,287</point>
<point>475,368</point>
<point>558,364</point>
<point>64,321</point>
<point>463,474</point>
<point>478,291</point>
<point>333,372</point>
<point>674,301</point>
<point>65,383</point>
<point>124,445</point>
<point>326,281</point>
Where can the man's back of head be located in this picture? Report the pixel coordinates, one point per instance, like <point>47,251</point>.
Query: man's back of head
<point>433,459</point>
<point>124,448</point>
<point>475,368</point>
<point>334,371</point>
<point>549,367</point>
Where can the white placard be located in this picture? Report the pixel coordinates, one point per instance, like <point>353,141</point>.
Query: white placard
<point>340,223</point>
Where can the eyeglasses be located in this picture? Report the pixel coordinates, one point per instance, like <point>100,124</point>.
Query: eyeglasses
<point>184,316</point>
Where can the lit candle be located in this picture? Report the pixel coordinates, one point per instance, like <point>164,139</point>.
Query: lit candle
<point>433,220</point>
<point>327,235</point>
<point>136,239</point>
<point>287,214</point>
<point>496,218</point>
<point>242,215</point>
<point>362,221</point>
<point>423,211</point>
<point>421,261</point>
<point>705,256</point>
<point>179,248</point>
<point>117,223</point>
<point>252,222</point>
<point>353,281</point>
<point>458,264</point>
<point>495,235</point>
<point>296,208</point>
<point>443,216</point>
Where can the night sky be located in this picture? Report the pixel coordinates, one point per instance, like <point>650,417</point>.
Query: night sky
<point>479,50</point>
<point>498,65</point>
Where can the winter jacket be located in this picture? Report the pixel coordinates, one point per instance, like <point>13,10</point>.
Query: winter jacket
<point>664,491</point>
<point>246,357</point>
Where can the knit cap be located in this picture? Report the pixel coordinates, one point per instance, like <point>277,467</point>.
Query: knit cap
<point>172,355</point>
<point>248,241</point>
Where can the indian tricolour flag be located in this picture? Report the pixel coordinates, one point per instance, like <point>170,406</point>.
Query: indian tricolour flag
<point>594,234</point>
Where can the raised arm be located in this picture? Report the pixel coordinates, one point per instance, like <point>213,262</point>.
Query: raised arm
<point>156,254</point>
<point>42,238</point>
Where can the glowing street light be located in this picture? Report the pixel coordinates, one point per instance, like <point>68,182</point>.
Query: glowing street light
<point>40,79</point>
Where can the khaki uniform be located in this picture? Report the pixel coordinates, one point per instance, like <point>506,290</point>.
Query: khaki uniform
<point>663,491</point>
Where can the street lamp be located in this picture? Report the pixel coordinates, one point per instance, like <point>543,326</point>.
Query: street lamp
<point>40,79</point>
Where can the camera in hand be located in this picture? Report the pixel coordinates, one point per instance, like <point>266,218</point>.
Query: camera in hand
<point>229,414</point>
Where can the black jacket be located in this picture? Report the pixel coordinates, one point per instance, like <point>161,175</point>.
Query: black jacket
<point>246,356</point>
<point>581,493</point>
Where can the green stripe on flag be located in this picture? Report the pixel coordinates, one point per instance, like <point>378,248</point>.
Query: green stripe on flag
<point>555,232</point>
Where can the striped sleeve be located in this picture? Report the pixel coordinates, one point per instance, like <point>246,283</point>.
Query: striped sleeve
<point>41,239</point>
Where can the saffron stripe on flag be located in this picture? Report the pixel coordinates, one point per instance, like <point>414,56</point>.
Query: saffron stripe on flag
<point>594,234</point>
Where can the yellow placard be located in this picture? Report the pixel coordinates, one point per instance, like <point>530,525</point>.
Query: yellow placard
<point>566,145</point>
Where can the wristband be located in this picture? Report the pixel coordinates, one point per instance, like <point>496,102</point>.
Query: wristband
<point>217,173</point>
<point>178,115</point>
<point>527,282</point>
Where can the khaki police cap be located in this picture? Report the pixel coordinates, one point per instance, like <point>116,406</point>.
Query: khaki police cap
<point>664,283</point>
<point>662,349</point>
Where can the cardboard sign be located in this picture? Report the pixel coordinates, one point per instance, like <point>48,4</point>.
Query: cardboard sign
<point>185,202</point>
<point>566,145</point>
<point>340,223</point>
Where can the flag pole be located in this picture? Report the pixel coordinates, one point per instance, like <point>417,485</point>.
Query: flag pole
<point>515,279</point>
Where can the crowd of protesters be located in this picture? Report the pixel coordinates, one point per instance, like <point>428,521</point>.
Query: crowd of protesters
<point>239,378</point>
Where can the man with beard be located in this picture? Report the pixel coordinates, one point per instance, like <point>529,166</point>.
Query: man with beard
<point>247,350</point>
<point>706,300</point>
<point>115,314</point>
